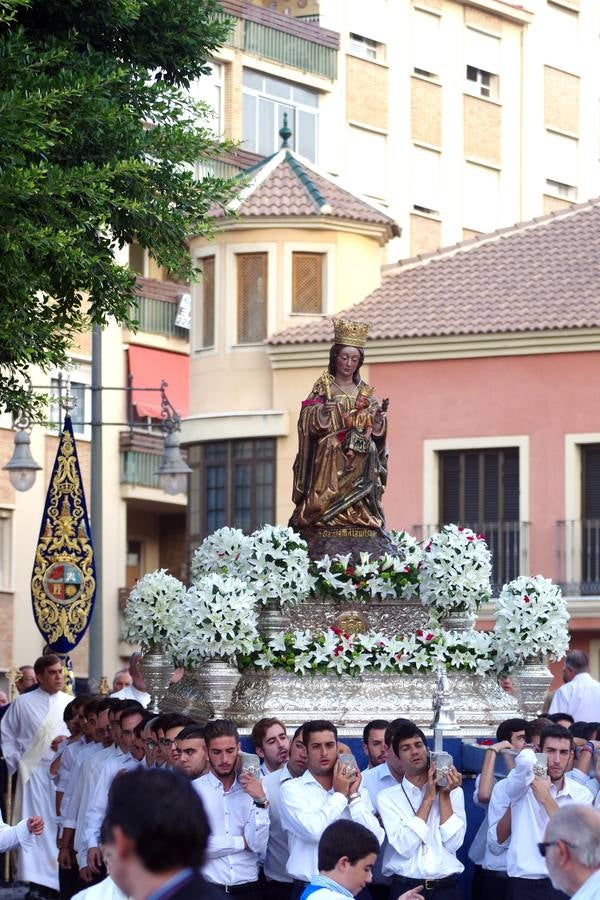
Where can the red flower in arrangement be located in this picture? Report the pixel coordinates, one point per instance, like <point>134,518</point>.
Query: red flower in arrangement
<point>336,630</point>
<point>428,545</point>
<point>420,632</point>
<point>470,537</point>
<point>526,599</point>
<point>407,568</point>
<point>349,570</point>
<point>481,537</point>
<point>461,528</point>
<point>346,636</point>
<point>380,644</point>
<point>425,635</point>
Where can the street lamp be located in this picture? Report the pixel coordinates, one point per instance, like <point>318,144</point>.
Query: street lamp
<point>173,471</point>
<point>22,467</point>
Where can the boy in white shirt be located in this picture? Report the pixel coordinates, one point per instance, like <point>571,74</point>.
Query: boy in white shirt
<point>346,875</point>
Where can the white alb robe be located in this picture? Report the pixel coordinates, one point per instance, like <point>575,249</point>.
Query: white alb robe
<point>32,722</point>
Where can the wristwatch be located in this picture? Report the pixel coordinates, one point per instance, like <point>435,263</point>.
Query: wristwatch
<point>263,803</point>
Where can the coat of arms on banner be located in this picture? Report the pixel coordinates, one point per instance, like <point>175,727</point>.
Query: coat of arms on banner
<point>63,584</point>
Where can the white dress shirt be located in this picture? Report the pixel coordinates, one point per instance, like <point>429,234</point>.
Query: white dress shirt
<point>421,849</point>
<point>129,692</point>
<point>529,818</point>
<point>114,763</point>
<point>376,780</point>
<point>306,811</point>
<point>580,697</point>
<point>275,865</point>
<point>234,823</point>
<point>496,852</point>
<point>590,889</point>
<point>12,836</point>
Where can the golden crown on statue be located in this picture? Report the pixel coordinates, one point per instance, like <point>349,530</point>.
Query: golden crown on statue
<point>350,334</point>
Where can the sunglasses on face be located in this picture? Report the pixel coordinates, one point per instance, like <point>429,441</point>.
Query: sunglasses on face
<point>543,845</point>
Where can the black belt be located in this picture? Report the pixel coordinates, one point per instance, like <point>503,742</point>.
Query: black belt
<point>429,884</point>
<point>496,873</point>
<point>239,888</point>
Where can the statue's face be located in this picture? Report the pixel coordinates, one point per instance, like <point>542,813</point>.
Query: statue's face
<point>347,361</point>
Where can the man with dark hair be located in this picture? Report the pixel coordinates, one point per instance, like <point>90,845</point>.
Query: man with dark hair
<point>271,743</point>
<point>193,758</point>
<point>374,744</point>
<point>27,732</point>
<point>154,837</point>
<point>238,813</point>
<point>325,793</point>
<point>580,695</point>
<point>533,731</point>
<point>532,799</point>
<point>120,761</point>
<point>490,878</point>
<point>560,718</point>
<point>376,780</point>
<point>424,821</point>
<point>347,851</point>
<point>278,884</point>
<point>168,741</point>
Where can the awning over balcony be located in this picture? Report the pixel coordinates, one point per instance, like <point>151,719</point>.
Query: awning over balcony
<point>148,368</point>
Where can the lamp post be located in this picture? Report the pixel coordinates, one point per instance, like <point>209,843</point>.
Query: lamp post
<point>172,473</point>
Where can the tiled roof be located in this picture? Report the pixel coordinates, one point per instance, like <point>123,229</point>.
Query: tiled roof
<point>282,185</point>
<point>538,275</point>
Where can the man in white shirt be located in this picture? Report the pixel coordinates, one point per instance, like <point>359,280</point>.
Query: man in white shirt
<point>278,884</point>
<point>271,743</point>
<point>27,731</point>
<point>374,744</point>
<point>192,757</point>
<point>533,801</point>
<point>325,793</point>
<point>425,823</point>
<point>376,780</point>
<point>137,689</point>
<point>580,695</point>
<point>122,679</point>
<point>238,813</point>
<point>90,853</point>
<point>571,848</point>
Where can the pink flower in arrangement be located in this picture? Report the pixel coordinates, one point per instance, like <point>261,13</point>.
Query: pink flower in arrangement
<point>407,568</point>
<point>428,545</point>
<point>470,537</point>
<point>481,537</point>
<point>461,528</point>
<point>349,570</point>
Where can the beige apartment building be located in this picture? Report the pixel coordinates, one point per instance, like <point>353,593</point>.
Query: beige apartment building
<point>434,121</point>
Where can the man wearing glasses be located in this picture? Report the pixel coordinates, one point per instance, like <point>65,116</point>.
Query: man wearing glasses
<point>571,849</point>
<point>533,799</point>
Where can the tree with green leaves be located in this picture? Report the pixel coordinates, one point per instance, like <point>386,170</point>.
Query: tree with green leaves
<point>98,132</point>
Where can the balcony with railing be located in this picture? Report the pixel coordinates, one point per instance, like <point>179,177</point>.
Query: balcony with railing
<point>508,543</point>
<point>156,315</point>
<point>285,39</point>
<point>578,555</point>
<point>141,454</point>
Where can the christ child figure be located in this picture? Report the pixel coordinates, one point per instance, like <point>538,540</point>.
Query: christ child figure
<point>359,423</point>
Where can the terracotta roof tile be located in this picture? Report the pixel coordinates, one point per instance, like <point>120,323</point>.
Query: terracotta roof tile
<point>538,275</point>
<point>294,189</point>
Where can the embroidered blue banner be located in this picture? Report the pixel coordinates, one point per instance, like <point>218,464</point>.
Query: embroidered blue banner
<point>63,583</point>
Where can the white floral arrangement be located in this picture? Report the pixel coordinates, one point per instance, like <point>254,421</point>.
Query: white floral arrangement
<point>302,652</point>
<point>409,548</point>
<point>531,621</point>
<point>278,565</point>
<point>370,579</point>
<point>218,619</point>
<point>152,609</point>
<point>455,571</point>
<point>225,551</point>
